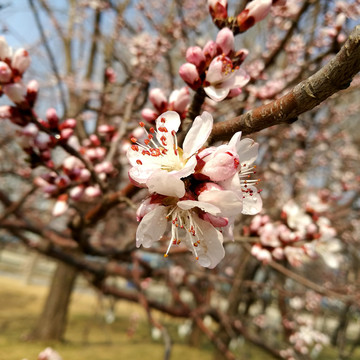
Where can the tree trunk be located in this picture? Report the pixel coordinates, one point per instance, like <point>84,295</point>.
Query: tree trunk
<point>52,322</point>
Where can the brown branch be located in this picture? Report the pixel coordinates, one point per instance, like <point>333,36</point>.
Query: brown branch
<point>333,77</point>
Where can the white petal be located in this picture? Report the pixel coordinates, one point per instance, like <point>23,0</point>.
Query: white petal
<point>165,183</point>
<point>188,169</point>
<point>172,123</point>
<point>198,134</point>
<point>151,227</point>
<point>248,151</point>
<point>226,200</point>
<point>210,250</point>
<point>141,173</point>
<point>252,205</point>
<point>235,141</point>
<point>189,204</point>
<point>216,93</point>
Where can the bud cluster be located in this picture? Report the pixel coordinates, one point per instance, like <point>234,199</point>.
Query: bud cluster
<point>216,67</point>
<point>179,101</point>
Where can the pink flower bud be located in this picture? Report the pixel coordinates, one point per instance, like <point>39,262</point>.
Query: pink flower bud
<point>68,124</point>
<point>211,49</point>
<point>254,12</point>
<point>61,205</point>
<point>5,112</point>
<point>190,75</point>
<point>5,72</point>
<point>32,90</point>
<point>278,253</point>
<point>72,162</point>
<point>42,141</point>
<point>92,191</point>
<point>110,75</point>
<point>220,163</point>
<point>94,140</point>
<point>225,39</point>
<point>180,100</point>
<point>158,98</point>
<point>66,133</point>
<point>194,55</point>
<point>76,192</point>
<point>5,50</point>
<point>30,130</point>
<point>15,92</point>
<point>21,60</point>
<point>105,129</point>
<point>149,115</point>
<point>218,9</point>
<point>85,175</point>
<point>52,118</point>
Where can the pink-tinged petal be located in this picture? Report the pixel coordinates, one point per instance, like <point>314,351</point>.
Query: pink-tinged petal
<point>167,124</point>
<point>252,205</point>
<point>216,72</point>
<point>145,207</point>
<point>198,134</point>
<point>216,94</point>
<point>235,141</point>
<point>158,98</point>
<point>15,92</point>
<point>222,164</point>
<point>216,221</point>
<point>225,39</point>
<point>149,115</point>
<point>194,55</point>
<point>165,183</point>
<point>248,151</point>
<point>189,204</point>
<point>180,99</point>
<point>210,250</point>
<point>151,227</point>
<point>189,73</point>
<point>238,79</point>
<point>227,201</point>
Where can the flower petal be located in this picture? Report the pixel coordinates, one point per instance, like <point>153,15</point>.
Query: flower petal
<point>216,93</point>
<point>166,124</point>
<point>141,173</point>
<point>227,201</point>
<point>188,169</point>
<point>211,250</point>
<point>165,183</point>
<point>189,204</point>
<point>248,151</point>
<point>198,134</point>
<point>252,204</point>
<point>151,227</point>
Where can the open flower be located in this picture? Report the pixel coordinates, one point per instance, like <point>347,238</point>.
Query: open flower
<point>183,217</point>
<point>222,77</point>
<point>159,163</point>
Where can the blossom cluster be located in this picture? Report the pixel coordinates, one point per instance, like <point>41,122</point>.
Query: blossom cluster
<point>73,179</point>
<point>179,101</point>
<point>216,67</point>
<point>300,236</point>
<point>195,192</point>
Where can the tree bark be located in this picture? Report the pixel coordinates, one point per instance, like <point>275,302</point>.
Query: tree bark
<point>52,322</point>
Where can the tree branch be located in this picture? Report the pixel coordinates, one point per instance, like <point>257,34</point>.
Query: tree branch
<point>333,77</point>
